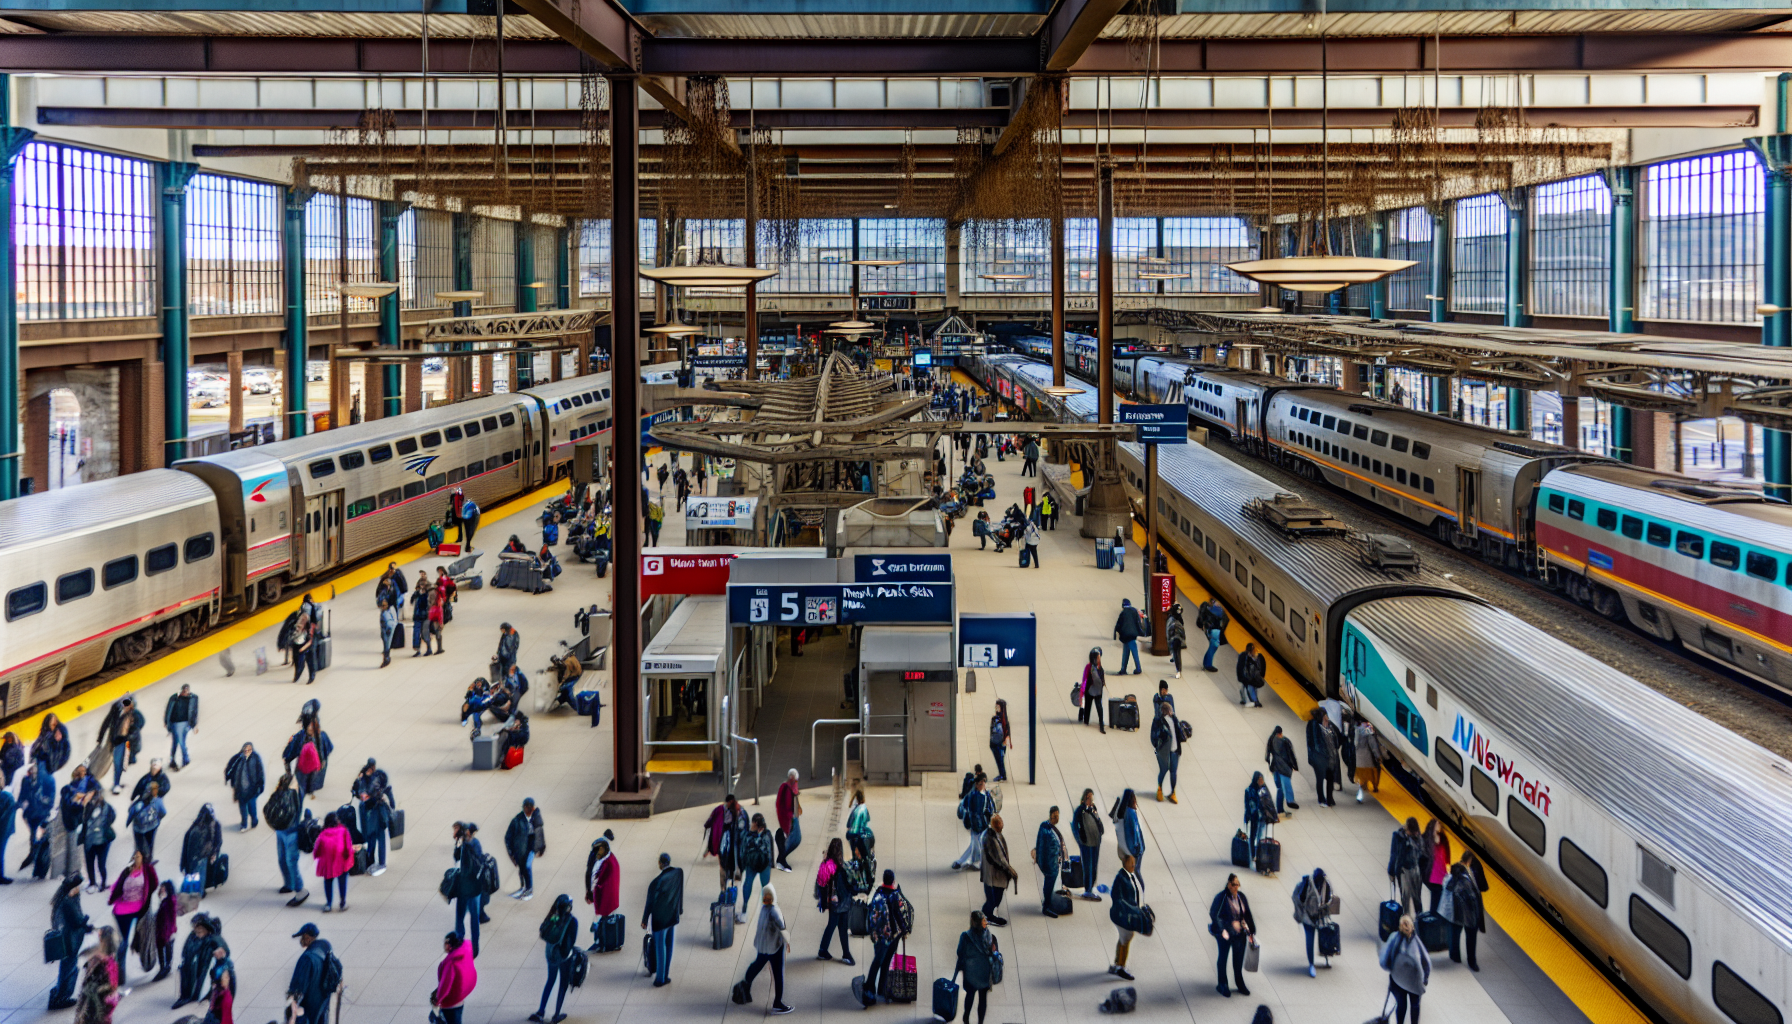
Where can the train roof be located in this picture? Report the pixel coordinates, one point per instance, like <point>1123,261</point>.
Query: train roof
<point>1435,428</point>
<point>1329,567</point>
<point>1084,406</point>
<point>100,505</point>
<point>1262,380</point>
<point>1682,499</point>
<point>1714,803</point>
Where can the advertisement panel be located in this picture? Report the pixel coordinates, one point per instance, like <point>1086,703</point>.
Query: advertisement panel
<point>719,513</point>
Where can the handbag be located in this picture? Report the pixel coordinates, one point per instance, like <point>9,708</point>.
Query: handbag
<point>995,967</point>
<point>55,946</point>
<point>1446,906</point>
<point>1076,694</point>
<point>1251,953</point>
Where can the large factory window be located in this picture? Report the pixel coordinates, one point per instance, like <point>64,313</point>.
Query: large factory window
<point>329,261</point>
<point>85,232</point>
<point>1701,245</point>
<point>1478,270</point>
<point>233,246</point>
<point>1570,268</point>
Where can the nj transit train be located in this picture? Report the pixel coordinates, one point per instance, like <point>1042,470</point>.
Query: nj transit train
<point>1662,841</point>
<point>103,573</point>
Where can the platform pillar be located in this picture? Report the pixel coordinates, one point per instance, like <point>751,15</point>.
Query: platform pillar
<point>391,375</point>
<point>1622,316</point>
<point>1571,421</point>
<point>1438,299</point>
<point>1058,297</point>
<point>413,385</point>
<point>1518,409</point>
<point>176,353</point>
<point>563,270</point>
<point>526,301</point>
<point>234,363</point>
<point>1776,274</point>
<point>297,339</point>
<point>1378,249</point>
<point>1517,311</point>
<point>1104,292</point>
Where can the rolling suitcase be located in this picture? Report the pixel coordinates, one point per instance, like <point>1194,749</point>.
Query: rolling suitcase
<point>485,753</point>
<point>945,999</point>
<point>1269,855</point>
<point>1388,920</point>
<point>1073,873</point>
<point>395,831</point>
<point>721,925</point>
<point>1434,931</point>
<point>1025,558</point>
<point>858,917</point>
<point>608,932</point>
<point>900,983</point>
<point>1060,903</point>
<point>325,648</point>
<point>217,871</point>
<point>1331,939</point>
<point>1241,850</point>
<point>1123,713</point>
<point>647,959</point>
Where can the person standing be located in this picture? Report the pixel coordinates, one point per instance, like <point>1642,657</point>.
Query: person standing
<point>1127,912</point>
<point>1462,907</point>
<point>509,641</point>
<point>309,750</point>
<point>97,834</point>
<point>889,926</point>
<point>1031,537</point>
<point>1279,754</point>
<point>308,992</point>
<point>1120,554</point>
<point>603,879</point>
<point>1249,670</point>
<point>154,782</point>
<point>373,792</point>
<point>1437,866</point>
<point>1211,619</point>
<point>1259,809</point>
<point>1127,629</point>
<point>724,831</point>
<point>975,810</point>
<point>181,717</point>
<point>975,960</point>
<point>520,843</point>
<point>1048,853</point>
<point>1029,465</point>
<point>167,925</point>
<point>1322,756</point>
<point>51,748</point>
<point>456,977</point>
<point>1229,921</point>
<point>834,898</point>
<point>997,872</point>
<point>132,895</point>
<point>1368,758</point>
<point>1001,739</point>
<point>1166,742</point>
<point>99,985</point>
<point>859,837</point>
<point>71,924</point>
<point>756,859</point>
<point>120,730</point>
<point>1093,687</point>
<point>71,810</point>
<point>334,855</point>
<point>1086,826</point>
<point>388,631</point>
<point>665,904</point>
<point>468,893</point>
<point>421,598</point>
<point>1407,860</point>
<point>37,805</point>
<point>299,643</point>
<point>560,936</point>
<point>1312,908</point>
<point>282,815</point>
<point>1177,635</point>
<point>1129,831</point>
<point>770,942</point>
<point>1048,511</point>
<point>247,779</point>
<point>9,806</point>
<point>790,818</point>
<point>1408,965</point>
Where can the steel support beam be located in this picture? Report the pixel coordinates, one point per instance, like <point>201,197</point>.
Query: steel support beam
<point>597,28</point>
<point>1104,294</point>
<point>1072,28</point>
<point>391,331</point>
<point>298,421</point>
<point>563,274</point>
<point>460,256</point>
<point>12,143</point>
<point>1518,288</point>
<point>175,350</point>
<point>526,299</point>
<point>1058,299</point>
<point>1775,152</point>
<point>1438,298</point>
<point>1622,316</point>
<point>1378,249</point>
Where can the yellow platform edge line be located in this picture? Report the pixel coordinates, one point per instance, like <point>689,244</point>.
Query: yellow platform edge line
<point>220,640</point>
<point>677,766</point>
<point>1582,982</point>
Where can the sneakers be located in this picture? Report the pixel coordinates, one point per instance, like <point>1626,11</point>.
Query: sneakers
<point>1312,972</point>
<point>517,895</point>
<point>785,867</point>
<point>1091,897</point>
<point>1293,805</point>
<point>824,955</point>
<point>528,894</point>
<point>285,889</point>
<point>537,1017</point>
<point>1359,794</point>
<point>850,962</point>
<point>781,1008</point>
<point>377,870</point>
<point>1125,975</point>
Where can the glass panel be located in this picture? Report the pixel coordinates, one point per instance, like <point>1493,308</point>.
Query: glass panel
<point>1409,238</point>
<point>85,234</point>
<point>1701,251</point>
<point>425,257</point>
<point>324,253</point>
<point>233,246</point>
<point>1478,274</point>
<point>1571,228</point>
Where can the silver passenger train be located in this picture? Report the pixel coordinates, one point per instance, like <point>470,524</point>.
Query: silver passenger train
<point>103,573</point>
<point>1662,841</point>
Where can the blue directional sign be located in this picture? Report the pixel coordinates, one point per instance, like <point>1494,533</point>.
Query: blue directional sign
<point>717,362</point>
<point>1157,424</point>
<point>998,641</point>
<point>829,604</point>
<point>902,568</point>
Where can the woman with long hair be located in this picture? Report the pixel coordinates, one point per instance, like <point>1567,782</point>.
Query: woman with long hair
<point>51,748</point>
<point>67,919</point>
<point>132,895</point>
<point>99,985</point>
<point>833,897</point>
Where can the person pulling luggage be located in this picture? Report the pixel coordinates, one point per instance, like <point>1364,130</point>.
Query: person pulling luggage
<point>1048,853</point>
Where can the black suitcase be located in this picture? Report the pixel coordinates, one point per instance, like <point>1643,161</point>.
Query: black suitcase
<point>1269,856</point>
<point>1241,850</point>
<point>858,991</point>
<point>1073,873</point>
<point>945,999</point>
<point>1389,921</point>
<point>1123,714</point>
<point>217,871</point>
<point>1060,903</point>
<point>858,917</point>
<point>721,925</point>
<point>647,960</point>
<point>1025,558</point>
<point>395,830</point>
<point>608,932</point>
<point>1434,931</point>
<point>1331,940</point>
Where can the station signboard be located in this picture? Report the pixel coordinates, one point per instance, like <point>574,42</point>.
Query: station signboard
<point>1157,424</point>
<point>902,568</point>
<point>701,512</point>
<point>829,604</point>
<point>684,573</point>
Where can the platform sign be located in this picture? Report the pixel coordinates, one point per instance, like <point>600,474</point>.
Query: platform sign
<point>718,362</point>
<point>1157,424</point>
<point>1001,641</point>
<point>828,604</point>
<point>902,568</point>
<point>684,574</point>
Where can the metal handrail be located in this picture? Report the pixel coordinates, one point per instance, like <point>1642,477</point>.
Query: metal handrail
<point>818,723</point>
<point>756,779</point>
<point>864,736</point>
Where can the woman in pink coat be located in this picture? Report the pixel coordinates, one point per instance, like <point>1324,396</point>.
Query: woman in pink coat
<point>335,854</point>
<point>456,977</point>
<point>604,879</point>
<point>1438,872</point>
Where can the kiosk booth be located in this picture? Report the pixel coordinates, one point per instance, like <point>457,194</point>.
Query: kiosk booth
<point>683,686</point>
<point>909,681</point>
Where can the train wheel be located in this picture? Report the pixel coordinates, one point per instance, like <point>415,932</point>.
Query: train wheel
<point>136,647</point>
<point>1607,603</point>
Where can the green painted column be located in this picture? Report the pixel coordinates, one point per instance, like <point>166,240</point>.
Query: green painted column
<point>1439,296</point>
<point>1622,318</point>
<point>176,351</point>
<point>1775,152</point>
<point>461,253</point>
<point>298,421</point>
<point>12,143</point>
<point>525,268</point>
<point>1518,294</point>
<point>1378,249</point>
<point>391,328</point>
<point>563,270</point>
<point>1440,395</point>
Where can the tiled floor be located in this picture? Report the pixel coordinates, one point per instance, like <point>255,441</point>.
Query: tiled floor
<point>405,716</point>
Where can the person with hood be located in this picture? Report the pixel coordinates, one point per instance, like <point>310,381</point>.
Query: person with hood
<point>120,729</point>
<point>374,802</point>
<point>1166,743</point>
<point>1230,922</point>
<point>247,779</point>
<point>283,814</point>
<point>665,905</point>
<point>456,977</point>
<point>51,748</point>
<point>12,758</point>
<point>132,896</point>
<point>99,984</point>
<point>1086,826</point>
<point>723,833</point>
<point>1249,670</point>
<point>1278,753</point>
<point>180,717</point>
<point>70,923</point>
<point>469,897</point>
<point>334,856</point>
<point>1127,912</point>
<point>997,872</point>
<point>833,897</point>
<point>305,992</point>
<point>560,936</point>
<point>1093,686</point>
<point>167,926</point>
<point>1461,906</point>
<point>770,942</point>
<point>203,939</point>
<point>1127,629</point>
<point>1048,853</point>
<point>509,640</point>
<point>1129,831</point>
<point>72,811</point>
<point>603,878</point>
<point>1312,908</point>
<point>153,782</point>
<point>526,833</point>
<point>1322,755</point>
<point>1259,809</point>
<point>1407,860</point>
<point>975,960</point>
<point>1408,965</point>
<point>97,834</point>
<point>203,842</point>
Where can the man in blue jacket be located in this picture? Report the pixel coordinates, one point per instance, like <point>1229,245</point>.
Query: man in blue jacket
<point>309,989</point>
<point>1048,853</point>
<point>37,801</point>
<point>1127,629</point>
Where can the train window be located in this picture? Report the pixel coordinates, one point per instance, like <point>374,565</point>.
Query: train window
<point>606,392</point>
<point>1763,566</point>
<point>1400,443</point>
<point>509,457</point>
<point>160,559</point>
<point>507,419</point>
<point>413,489</point>
<point>1160,506</point>
<point>577,402</point>
<point>1661,936</point>
<point>27,600</point>
<point>1379,438</point>
<point>1659,535</point>
<point>1583,871</point>
<point>379,453</point>
<point>1412,681</point>
<point>1257,590</point>
<point>432,439</point>
<point>472,429</point>
<point>1485,789</point>
<point>457,474</point>
<point>1276,607</point>
<point>1448,759</point>
<point>1606,518</point>
<point>74,586</point>
<point>436,482</point>
<point>1725,556</point>
<point>360,507</point>
<point>322,468</point>
<point>1211,546</point>
<point>1739,1000</point>
<point>1360,432</point>
<point>353,460</point>
<point>1343,426</point>
<point>1387,470</point>
<point>407,445</point>
<point>1526,825</point>
<point>1577,509</point>
<point>1430,485</point>
<point>537,450</point>
<point>1295,623</point>
<point>1431,695</point>
<point>489,422</point>
<point>1400,475</point>
<point>1632,527</point>
<point>1193,531</point>
<point>199,548</point>
<point>118,572</point>
<point>1421,450</point>
<point>1689,544</point>
<point>1299,413</point>
<point>391,497</point>
<point>476,468</point>
<point>1374,465</point>
<point>452,433</point>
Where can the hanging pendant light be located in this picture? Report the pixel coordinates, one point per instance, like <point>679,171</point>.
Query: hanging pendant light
<point>1319,273</point>
<point>714,275</point>
<point>877,263</point>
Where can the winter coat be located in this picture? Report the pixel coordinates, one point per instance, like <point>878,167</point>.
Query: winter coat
<point>470,857</point>
<point>1086,826</point>
<point>976,958</point>
<point>164,785</point>
<point>1311,902</point>
<point>604,885</point>
<point>1048,849</point>
<point>1128,898</point>
<point>334,852</point>
<point>37,797</point>
<point>1368,746</point>
<point>519,838</point>
<point>1219,915</point>
<point>1322,746</point>
<point>997,872</point>
<point>787,804</point>
<point>167,920</point>
<point>1249,669</point>
<point>246,775</point>
<point>306,985</point>
<point>203,843</point>
<point>1462,900</point>
<point>1405,960</point>
<point>1405,852</point>
<point>1095,681</point>
<point>456,977</point>
<point>1129,626</point>
<point>376,809</point>
<point>665,899</point>
<point>1130,834</point>
<point>507,646</point>
<point>181,709</point>
<point>98,994</point>
<point>1259,805</point>
<point>724,833</point>
<point>976,809</point>
<point>1280,755</point>
<point>1176,633</point>
<point>756,852</point>
<point>51,749</point>
<point>1165,739</point>
<point>96,824</point>
<point>768,936</point>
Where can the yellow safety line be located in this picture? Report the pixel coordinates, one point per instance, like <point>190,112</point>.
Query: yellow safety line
<point>218,640</point>
<point>1578,979</point>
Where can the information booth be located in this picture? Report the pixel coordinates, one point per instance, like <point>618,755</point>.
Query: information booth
<point>682,685</point>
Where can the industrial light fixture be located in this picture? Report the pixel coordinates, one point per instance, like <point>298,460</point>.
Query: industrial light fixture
<point>1160,275</point>
<point>538,284</point>
<point>1319,273</point>
<point>1769,309</point>
<point>877,263</point>
<point>1267,309</point>
<point>1062,391</point>
<point>713,275</point>
<point>674,329</point>
<point>1154,260</point>
<point>375,290</point>
<point>459,296</point>
<point>1006,277</point>
<point>855,325</point>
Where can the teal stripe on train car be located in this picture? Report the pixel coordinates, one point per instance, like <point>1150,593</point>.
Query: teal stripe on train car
<point>1375,681</point>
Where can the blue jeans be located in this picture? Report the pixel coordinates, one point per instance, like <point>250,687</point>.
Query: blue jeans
<point>1130,649</point>
<point>746,884</point>
<point>1256,834</point>
<point>462,905</point>
<point>286,845</point>
<point>554,974</point>
<point>837,922</point>
<point>337,885</point>
<point>387,636</point>
<point>1091,860</point>
<point>662,953</point>
<point>247,809</point>
<point>1167,762</point>
<point>177,732</point>
<point>66,972</point>
<point>1001,756</point>
<point>1247,694</point>
<point>526,870</point>
<point>118,755</point>
<point>419,626</point>
<point>1309,930</point>
<point>1214,639</point>
<point>1284,792</point>
<point>4,836</point>
<point>376,846</point>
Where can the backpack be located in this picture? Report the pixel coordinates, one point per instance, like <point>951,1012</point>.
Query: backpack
<point>309,830</point>
<point>970,783</point>
<point>859,875</point>
<point>329,979</point>
<point>997,734</point>
<point>578,964</point>
<point>309,761</point>
<point>756,852</point>
<point>277,813</point>
<point>892,916</point>
<point>489,879</point>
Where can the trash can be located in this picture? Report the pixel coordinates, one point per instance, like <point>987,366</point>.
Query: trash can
<point>1104,552</point>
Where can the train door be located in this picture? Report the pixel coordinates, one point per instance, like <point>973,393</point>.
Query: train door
<point>1245,411</point>
<point>532,474</point>
<point>1468,501</point>
<point>1353,659</point>
<point>333,549</point>
<point>313,524</point>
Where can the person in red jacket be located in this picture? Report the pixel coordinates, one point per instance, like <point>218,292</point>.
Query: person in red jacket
<point>335,855</point>
<point>603,878</point>
<point>456,977</point>
<point>790,820</point>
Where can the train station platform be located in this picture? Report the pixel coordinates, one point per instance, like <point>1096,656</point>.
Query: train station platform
<point>406,716</point>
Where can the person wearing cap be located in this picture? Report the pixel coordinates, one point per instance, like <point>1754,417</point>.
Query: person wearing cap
<point>469,900</point>
<point>373,794</point>
<point>306,989</point>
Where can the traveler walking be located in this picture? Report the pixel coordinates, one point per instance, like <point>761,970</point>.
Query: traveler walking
<point>100,983</point>
<point>1048,853</point>
<point>1029,465</point>
<point>1120,556</point>
<point>1030,536</point>
<point>859,837</point>
<point>1259,809</point>
<point>315,978</point>
<point>891,918</point>
<point>1129,831</point>
<point>300,644</point>
<point>724,832</point>
<point>70,924</point>
<point>373,793</point>
<point>37,805</point>
<point>181,717</point>
<point>421,598</point>
<point>8,806</point>
<point>790,819</point>
<point>97,834</point>
<point>153,782</point>
<point>1408,965</point>
<point>200,847</point>
<point>71,811</point>
<point>334,854</point>
<point>281,812</point>
<point>1001,739</point>
<point>1461,906</point>
<point>1127,629</point>
<point>247,779</point>
<point>196,956</point>
<point>1094,685</point>
<point>167,925</point>
<point>1249,670</point>
<point>1437,866</point>
<point>1128,912</point>
<point>1229,921</point>
<point>769,944</point>
<point>131,898</point>
<point>526,832</point>
<point>1166,742</point>
<point>122,729</point>
<point>1312,910</point>
<point>456,977</point>
<point>997,872</point>
<point>389,633</point>
<point>469,886</point>
<point>1368,758</point>
<point>756,859</point>
<point>1176,633</point>
<point>833,897</point>
<point>309,751</point>
<point>975,810</point>
<point>665,904</point>
<point>1279,753</point>
<point>1322,755</point>
<point>1211,619</point>
<point>1048,511</point>
<point>1086,826</point>
<point>978,954</point>
<point>1407,858</point>
<point>559,933</point>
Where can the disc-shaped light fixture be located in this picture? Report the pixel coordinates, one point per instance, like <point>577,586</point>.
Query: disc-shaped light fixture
<point>1267,309</point>
<point>877,263</point>
<point>1160,275</point>
<point>1006,277</point>
<point>373,290</point>
<point>707,276</point>
<point>855,325</point>
<point>538,284</point>
<point>1062,391</point>
<point>1152,260</point>
<point>461,296</point>
<point>674,329</point>
<point>1319,273</point>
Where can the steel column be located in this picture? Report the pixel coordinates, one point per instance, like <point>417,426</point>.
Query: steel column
<point>625,375</point>
<point>1104,292</point>
<point>460,253</point>
<point>1058,298</point>
<point>1776,328</point>
<point>176,353</point>
<point>563,274</point>
<point>750,257</point>
<point>525,268</point>
<point>297,330</point>
<point>1622,317</point>
<point>12,143</point>
<point>1378,249</point>
<point>1438,300</point>
<point>1518,289</point>
<point>391,329</point>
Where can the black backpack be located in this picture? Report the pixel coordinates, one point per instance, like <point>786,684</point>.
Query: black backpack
<point>577,966</point>
<point>756,852</point>
<point>489,879</point>
<point>309,830</point>
<point>329,979</point>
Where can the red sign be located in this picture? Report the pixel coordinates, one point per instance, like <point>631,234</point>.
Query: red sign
<point>1166,590</point>
<point>684,574</point>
